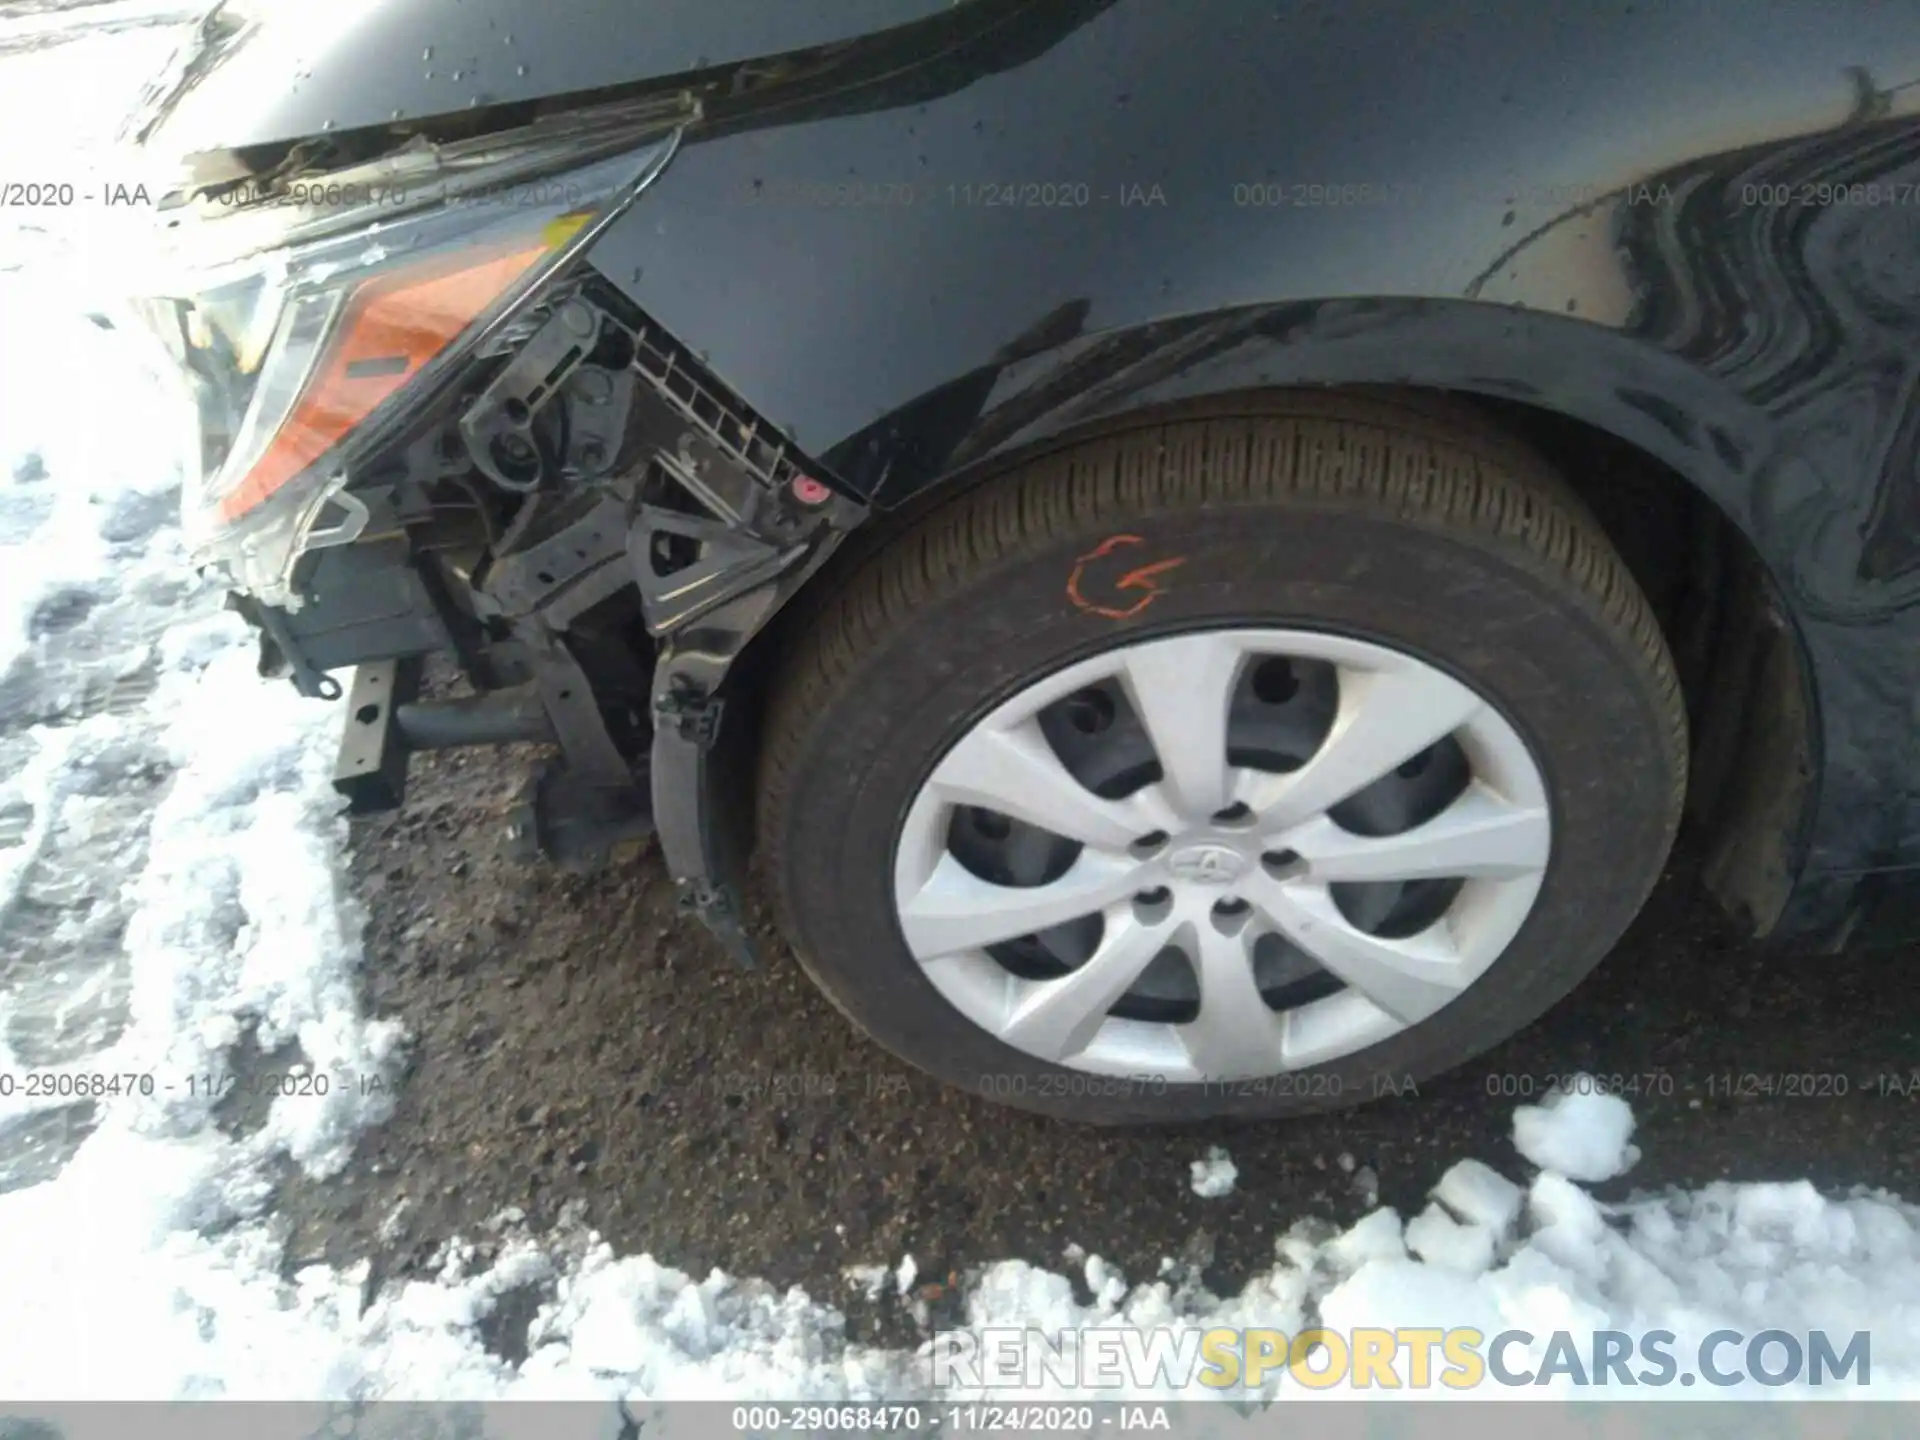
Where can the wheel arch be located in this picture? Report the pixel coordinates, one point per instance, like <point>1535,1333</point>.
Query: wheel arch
<point>1661,453</point>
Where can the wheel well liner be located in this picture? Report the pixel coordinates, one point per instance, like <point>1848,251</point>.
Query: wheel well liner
<point>1744,673</point>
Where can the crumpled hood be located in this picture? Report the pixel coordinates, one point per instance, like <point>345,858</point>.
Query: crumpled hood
<point>264,71</point>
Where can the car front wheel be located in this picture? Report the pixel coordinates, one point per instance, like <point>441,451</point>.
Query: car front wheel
<point>1244,762</point>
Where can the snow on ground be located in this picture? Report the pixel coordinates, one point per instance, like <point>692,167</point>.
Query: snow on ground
<point>1213,1176</point>
<point>170,877</point>
<point>1581,1134</point>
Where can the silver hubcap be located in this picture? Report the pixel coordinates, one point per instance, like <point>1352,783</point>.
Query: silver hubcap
<point>1222,855</point>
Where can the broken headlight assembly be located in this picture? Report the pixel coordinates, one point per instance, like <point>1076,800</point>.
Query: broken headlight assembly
<point>305,357</point>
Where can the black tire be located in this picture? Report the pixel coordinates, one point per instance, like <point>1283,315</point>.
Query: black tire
<point>1412,525</point>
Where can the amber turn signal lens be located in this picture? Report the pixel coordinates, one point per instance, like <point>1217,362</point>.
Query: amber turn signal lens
<point>392,326</point>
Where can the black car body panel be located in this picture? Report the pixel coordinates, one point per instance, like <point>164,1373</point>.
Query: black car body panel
<point>928,237</point>
<point>293,72</point>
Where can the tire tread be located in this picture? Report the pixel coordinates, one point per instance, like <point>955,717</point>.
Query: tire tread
<point>1424,463</point>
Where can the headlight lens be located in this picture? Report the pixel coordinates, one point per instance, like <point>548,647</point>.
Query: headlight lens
<point>295,357</point>
<point>335,354</point>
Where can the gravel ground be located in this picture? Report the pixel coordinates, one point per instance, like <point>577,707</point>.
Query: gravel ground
<point>578,1042</point>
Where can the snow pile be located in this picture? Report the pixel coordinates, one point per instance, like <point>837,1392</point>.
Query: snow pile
<point>1739,1257</point>
<point>173,885</point>
<point>1213,1176</point>
<point>1549,1258</point>
<point>638,1331</point>
<point>1582,1134</point>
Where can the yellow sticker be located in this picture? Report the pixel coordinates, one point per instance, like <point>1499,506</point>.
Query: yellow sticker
<point>559,231</point>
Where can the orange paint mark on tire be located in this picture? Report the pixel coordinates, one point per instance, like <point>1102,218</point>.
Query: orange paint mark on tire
<point>1143,578</point>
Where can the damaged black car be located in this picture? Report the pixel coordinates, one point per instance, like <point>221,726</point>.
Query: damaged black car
<point>1203,553</point>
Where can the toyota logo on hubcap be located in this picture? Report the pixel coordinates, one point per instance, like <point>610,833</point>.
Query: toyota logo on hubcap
<point>1208,864</point>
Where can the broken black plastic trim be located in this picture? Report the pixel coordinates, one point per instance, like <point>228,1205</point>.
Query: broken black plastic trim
<point>689,712</point>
